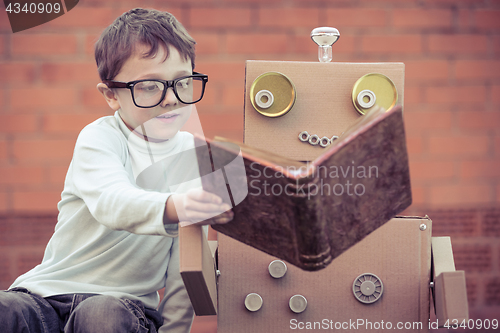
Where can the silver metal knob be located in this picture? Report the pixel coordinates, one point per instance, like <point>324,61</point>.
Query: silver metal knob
<point>253,302</point>
<point>298,303</point>
<point>277,269</point>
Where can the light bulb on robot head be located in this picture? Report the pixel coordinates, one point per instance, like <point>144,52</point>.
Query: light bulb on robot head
<point>325,37</point>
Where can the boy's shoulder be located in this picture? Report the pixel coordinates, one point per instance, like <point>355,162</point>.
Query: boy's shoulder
<point>104,124</point>
<point>102,130</point>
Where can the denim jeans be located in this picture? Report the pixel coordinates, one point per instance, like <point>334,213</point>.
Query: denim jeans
<point>24,312</point>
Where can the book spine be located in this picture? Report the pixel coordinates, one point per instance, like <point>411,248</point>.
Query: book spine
<point>310,227</point>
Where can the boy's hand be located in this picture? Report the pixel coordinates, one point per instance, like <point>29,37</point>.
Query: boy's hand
<point>199,206</point>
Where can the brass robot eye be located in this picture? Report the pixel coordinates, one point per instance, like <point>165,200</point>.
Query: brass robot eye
<point>272,94</point>
<point>374,89</point>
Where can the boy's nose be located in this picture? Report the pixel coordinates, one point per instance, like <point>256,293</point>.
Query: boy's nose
<point>170,98</point>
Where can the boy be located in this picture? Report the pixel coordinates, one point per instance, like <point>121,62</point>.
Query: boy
<point>115,243</point>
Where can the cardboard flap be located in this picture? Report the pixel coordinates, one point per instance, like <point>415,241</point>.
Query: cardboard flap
<point>450,294</point>
<point>442,256</point>
<point>197,269</point>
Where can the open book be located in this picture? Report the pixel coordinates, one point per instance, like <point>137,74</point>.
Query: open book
<point>308,213</point>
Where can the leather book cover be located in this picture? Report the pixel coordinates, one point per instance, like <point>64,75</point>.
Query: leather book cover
<point>308,213</point>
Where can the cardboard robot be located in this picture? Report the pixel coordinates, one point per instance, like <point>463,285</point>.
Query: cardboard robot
<point>385,279</point>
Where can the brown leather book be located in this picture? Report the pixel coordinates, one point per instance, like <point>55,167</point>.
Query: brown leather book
<point>308,213</point>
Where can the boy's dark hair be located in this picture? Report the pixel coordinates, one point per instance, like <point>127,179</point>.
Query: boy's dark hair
<point>150,27</point>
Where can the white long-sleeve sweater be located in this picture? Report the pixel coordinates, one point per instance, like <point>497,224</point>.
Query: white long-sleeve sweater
<point>110,238</point>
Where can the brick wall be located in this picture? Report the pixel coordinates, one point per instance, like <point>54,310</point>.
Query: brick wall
<point>451,49</point>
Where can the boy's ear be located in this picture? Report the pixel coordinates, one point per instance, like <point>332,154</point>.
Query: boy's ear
<point>109,96</point>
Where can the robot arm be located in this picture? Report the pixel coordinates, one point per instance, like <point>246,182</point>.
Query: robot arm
<point>448,285</point>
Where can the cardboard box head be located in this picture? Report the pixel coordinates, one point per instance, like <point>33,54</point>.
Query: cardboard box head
<point>286,98</point>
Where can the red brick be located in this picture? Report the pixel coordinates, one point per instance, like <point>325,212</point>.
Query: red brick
<point>14,175</point>
<point>70,72</point>
<point>219,17</point>
<point>451,195</point>
<point>18,123</point>
<point>67,123</point>
<point>27,261</point>
<point>2,45</point>
<point>17,72</point>
<point>455,222</point>
<point>89,44</point>
<point>85,17</point>
<point>57,175</point>
<point>414,145</point>
<point>93,98</point>
<point>477,69</point>
<point>472,257</point>
<point>492,297</point>
<point>480,169</point>
<point>36,201</point>
<point>356,17</point>
<point>432,170</point>
<point>207,324</point>
<point>222,121</point>
<point>424,120</point>
<point>450,2</point>
<point>479,119</point>
<point>4,22</point>
<point>487,19</point>
<point>231,134</point>
<point>427,70</point>
<point>225,72</point>
<point>5,276</point>
<point>455,95</point>
<point>392,44</point>
<point>496,44</point>
<point>43,150</point>
<point>37,97</point>
<point>207,43</point>
<point>413,96</point>
<point>498,193</point>
<point>465,19</point>
<point>211,96</point>
<point>3,150</point>
<point>421,18</point>
<point>455,145</point>
<point>293,18</point>
<point>239,43</point>
<point>23,230</point>
<point>495,94</point>
<point>233,96</point>
<point>4,205</point>
<point>267,2</point>
<point>497,145</point>
<point>418,195</point>
<point>43,44</point>
<point>458,44</point>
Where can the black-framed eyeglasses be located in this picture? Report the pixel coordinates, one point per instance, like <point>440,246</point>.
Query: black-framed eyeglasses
<point>149,93</point>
